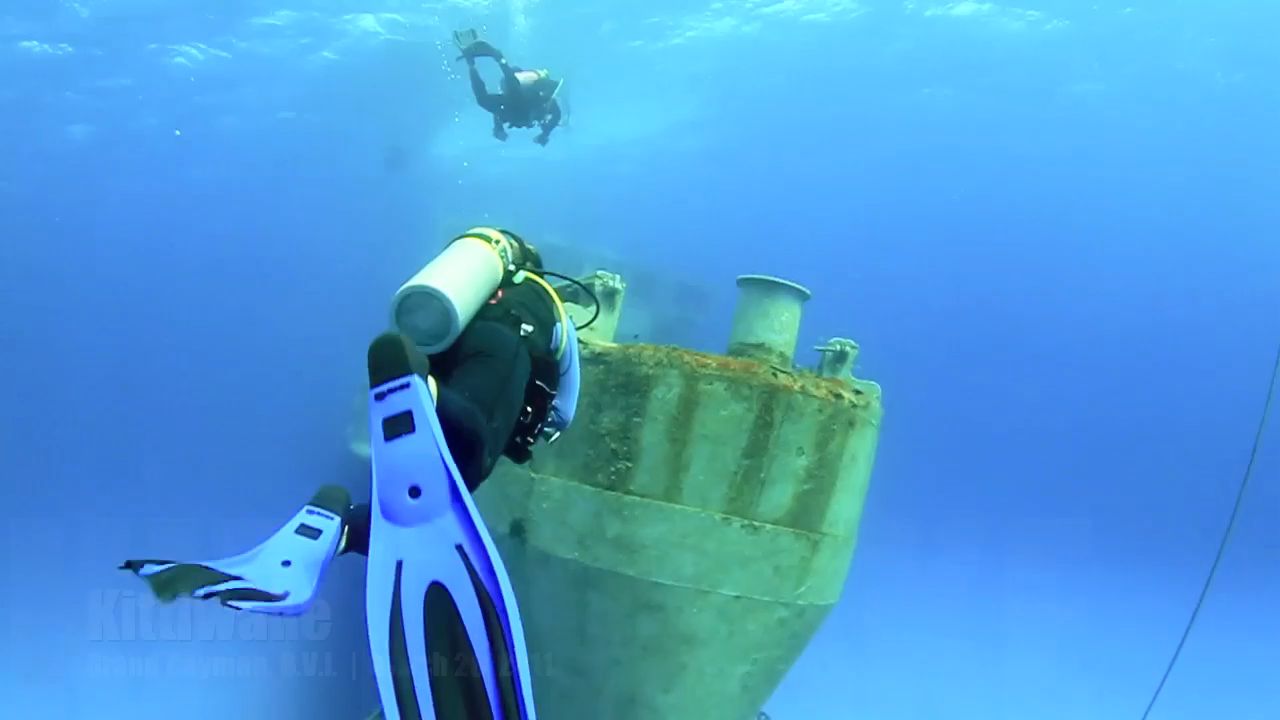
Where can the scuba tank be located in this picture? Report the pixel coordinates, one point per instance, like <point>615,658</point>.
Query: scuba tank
<point>434,306</point>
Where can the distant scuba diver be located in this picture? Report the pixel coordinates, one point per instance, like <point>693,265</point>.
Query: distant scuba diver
<point>528,97</point>
<point>485,364</point>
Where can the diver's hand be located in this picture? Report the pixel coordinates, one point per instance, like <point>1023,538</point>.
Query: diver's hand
<point>542,140</point>
<point>281,576</point>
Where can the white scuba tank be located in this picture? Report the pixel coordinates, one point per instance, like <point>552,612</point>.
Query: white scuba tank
<point>538,83</point>
<point>528,78</point>
<point>434,305</point>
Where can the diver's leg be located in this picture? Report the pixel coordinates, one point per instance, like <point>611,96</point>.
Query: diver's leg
<point>510,83</point>
<point>480,395</point>
<point>357,521</point>
<point>510,92</point>
<point>465,432</point>
<point>490,103</point>
<point>482,379</point>
<point>478,89</point>
<point>514,97</point>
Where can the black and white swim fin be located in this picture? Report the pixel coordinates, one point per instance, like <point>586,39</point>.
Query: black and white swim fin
<point>444,630</point>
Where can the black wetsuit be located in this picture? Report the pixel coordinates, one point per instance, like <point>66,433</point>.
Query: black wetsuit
<point>515,106</point>
<point>484,383</point>
<point>484,377</point>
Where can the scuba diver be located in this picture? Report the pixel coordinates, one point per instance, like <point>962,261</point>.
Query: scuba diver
<point>528,97</point>
<point>484,363</point>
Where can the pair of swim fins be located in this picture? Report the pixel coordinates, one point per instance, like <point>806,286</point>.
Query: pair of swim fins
<point>444,630</point>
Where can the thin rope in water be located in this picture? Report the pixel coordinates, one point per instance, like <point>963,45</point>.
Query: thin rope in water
<point>1226,536</point>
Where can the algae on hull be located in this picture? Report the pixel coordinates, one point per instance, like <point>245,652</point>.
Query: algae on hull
<point>695,495</point>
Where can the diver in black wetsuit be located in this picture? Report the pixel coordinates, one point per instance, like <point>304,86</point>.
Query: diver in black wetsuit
<point>528,97</point>
<point>506,381</point>
<point>488,379</point>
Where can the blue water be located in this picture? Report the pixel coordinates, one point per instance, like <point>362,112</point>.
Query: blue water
<point>1050,225</point>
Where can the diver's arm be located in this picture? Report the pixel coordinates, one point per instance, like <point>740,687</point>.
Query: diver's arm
<point>550,123</point>
<point>553,117</point>
<point>565,404</point>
